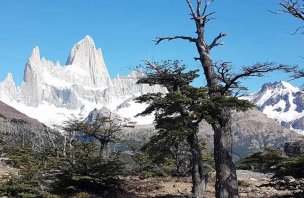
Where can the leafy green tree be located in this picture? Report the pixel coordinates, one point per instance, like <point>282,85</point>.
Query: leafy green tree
<point>174,151</point>
<point>272,159</point>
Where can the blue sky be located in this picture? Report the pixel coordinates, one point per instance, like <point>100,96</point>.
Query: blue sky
<point>125,30</point>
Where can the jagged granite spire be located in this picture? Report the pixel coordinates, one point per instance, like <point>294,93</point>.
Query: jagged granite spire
<point>77,87</point>
<point>85,55</point>
<point>35,57</point>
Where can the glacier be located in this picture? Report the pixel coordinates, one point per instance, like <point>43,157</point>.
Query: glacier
<point>53,93</point>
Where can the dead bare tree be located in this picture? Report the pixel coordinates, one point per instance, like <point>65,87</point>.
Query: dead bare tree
<point>294,8</point>
<point>221,81</point>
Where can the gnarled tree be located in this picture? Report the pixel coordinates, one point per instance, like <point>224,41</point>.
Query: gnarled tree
<point>221,83</point>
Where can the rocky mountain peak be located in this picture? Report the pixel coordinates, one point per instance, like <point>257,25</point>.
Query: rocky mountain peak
<point>35,57</point>
<point>76,88</point>
<point>279,86</point>
<point>9,85</point>
<point>282,101</point>
<point>85,55</point>
<point>9,78</point>
<point>82,52</point>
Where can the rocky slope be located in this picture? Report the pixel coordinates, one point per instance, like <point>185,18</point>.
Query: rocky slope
<point>9,113</point>
<point>16,126</point>
<point>252,131</point>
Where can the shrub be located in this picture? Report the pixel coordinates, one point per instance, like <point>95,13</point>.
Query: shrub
<point>19,187</point>
<point>263,161</point>
<point>291,167</point>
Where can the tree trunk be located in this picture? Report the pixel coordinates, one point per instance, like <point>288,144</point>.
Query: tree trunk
<point>226,185</point>
<point>226,179</point>
<point>199,170</point>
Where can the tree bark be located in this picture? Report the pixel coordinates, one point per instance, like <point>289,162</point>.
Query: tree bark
<point>199,171</point>
<point>226,185</point>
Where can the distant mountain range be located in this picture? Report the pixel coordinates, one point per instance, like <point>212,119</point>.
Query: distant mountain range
<point>283,102</point>
<point>51,93</point>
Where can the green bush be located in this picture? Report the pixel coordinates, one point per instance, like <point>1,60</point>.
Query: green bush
<point>262,161</point>
<point>272,160</point>
<point>291,167</point>
<point>21,188</point>
<point>82,169</point>
<point>85,170</point>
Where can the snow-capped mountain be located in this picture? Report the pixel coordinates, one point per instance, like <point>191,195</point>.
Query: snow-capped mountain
<point>51,92</point>
<point>282,102</point>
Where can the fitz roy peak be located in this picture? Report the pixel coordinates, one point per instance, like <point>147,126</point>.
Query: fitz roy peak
<point>51,92</point>
<point>85,55</point>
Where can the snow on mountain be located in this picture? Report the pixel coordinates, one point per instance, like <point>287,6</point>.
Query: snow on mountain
<point>87,58</point>
<point>8,87</point>
<point>282,102</point>
<point>51,93</point>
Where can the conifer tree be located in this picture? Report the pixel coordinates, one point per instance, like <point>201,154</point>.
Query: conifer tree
<point>175,113</point>
<point>222,82</point>
<point>179,112</point>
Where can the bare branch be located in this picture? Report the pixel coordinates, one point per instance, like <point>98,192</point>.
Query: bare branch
<point>206,6</point>
<point>191,8</point>
<point>215,41</point>
<point>297,73</point>
<point>198,7</point>
<point>297,30</point>
<point>230,80</point>
<point>169,38</point>
<point>294,8</point>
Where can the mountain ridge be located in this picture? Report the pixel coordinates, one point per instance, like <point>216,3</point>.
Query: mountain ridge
<point>283,102</point>
<point>84,84</point>
<point>75,88</point>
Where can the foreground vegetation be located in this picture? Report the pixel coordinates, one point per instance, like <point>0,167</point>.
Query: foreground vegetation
<point>276,161</point>
<point>74,166</point>
<point>64,168</point>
